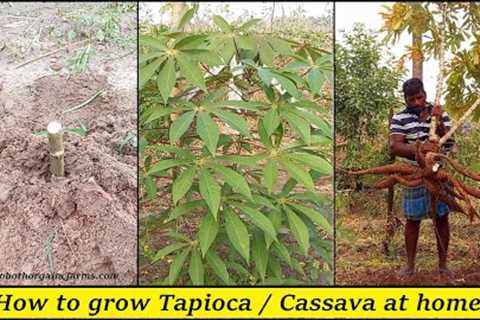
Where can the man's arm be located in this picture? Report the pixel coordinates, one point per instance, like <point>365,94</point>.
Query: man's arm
<point>398,147</point>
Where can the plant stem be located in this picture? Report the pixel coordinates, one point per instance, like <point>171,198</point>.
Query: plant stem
<point>55,144</point>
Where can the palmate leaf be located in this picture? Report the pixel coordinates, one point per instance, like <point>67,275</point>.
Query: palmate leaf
<point>218,266</point>
<point>235,180</point>
<point>210,191</point>
<point>168,250</point>
<point>177,266</point>
<point>144,57</point>
<point>159,112</point>
<point>187,16</point>
<point>191,42</point>
<point>196,269</point>
<point>317,163</point>
<point>270,174</point>
<point>222,24</point>
<point>148,71</point>
<point>207,233</point>
<point>297,173</point>
<point>167,78</point>
<point>208,131</point>
<point>190,70</point>
<point>260,254</point>
<point>315,80</point>
<point>237,233</point>
<point>266,53</point>
<point>184,209</point>
<point>236,122</point>
<point>300,125</point>
<point>182,184</point>
<point>166,164</point>
<point>299,230</point>
<point>271,121</point>
<point>259,219</point>
<point>180,125</point>
<point>316,218</point>
<point>250,23</point>
<point>154,43</point>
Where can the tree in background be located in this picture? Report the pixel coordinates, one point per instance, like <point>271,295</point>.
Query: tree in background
<point>365,90</point>
<point>462,43</point>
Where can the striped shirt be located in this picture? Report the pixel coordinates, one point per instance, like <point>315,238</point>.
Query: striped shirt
<point>406,123</point>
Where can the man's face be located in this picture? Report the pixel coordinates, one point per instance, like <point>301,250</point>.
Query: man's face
<point>416,101</point>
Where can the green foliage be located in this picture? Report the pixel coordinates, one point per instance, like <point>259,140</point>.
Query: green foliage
<point>244,170</point>
<point>461,43</point>
<point>365,87</point>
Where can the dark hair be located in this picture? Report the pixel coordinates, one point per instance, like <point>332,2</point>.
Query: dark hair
<point>412,87</point>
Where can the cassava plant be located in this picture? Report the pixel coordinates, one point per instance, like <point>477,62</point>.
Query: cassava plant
<point>237,122</point>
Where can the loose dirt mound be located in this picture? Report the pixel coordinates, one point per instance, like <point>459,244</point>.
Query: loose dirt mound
<point>84,223</point>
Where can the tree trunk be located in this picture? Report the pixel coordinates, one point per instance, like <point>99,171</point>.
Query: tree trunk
<point>178,8</point>
<point>417,58</point>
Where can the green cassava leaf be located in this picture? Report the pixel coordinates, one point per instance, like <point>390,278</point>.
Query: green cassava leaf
<point>266,53</point>
<point>196,269</point>
<point>184,209</point>
<point>260,220</point>
<point>297,173</point>
<point>218,266</point>
<point>208,131</point>
<point>166,164</point>
<point>222,24</point>
<point>236,122</point>
<point>187,16</point>
<point>154,43</point>
<point>177,266</point>
<point>317,163</point>
<point>159,112</point>
<point>250,23</point>
<point>270,174</point>
<point>167,78</point>
<point>315,80</point>
<point>237,233</point>
<point>191,71</point>
<point>182,184</point>
<point>300,125</point>
<point>210,191</point>
<point>147,72</point>
<point>180,125</point>
<point>235,180</point>
<point>207,233</point>
<point>299,230</point>
<point>316,218</point>
<point>165,251</point>
<point>271,121</point>
<point>260,255</point>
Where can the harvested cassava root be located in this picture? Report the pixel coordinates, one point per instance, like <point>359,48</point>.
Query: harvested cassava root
<point>440,183</point>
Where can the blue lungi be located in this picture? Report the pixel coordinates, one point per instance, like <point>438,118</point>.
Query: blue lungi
<point>416,204</point>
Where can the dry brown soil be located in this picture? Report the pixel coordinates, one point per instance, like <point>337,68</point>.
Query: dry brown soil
<point>86,222</point>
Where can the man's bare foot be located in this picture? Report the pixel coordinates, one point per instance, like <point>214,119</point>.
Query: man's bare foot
<point>445,272</point>
<point>406,272</point>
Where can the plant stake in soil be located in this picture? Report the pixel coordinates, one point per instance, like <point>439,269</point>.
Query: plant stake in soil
<point>55,146</point>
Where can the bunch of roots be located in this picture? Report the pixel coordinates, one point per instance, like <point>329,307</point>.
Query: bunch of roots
<point>442,185</point>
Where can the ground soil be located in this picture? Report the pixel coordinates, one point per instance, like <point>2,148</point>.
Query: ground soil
<point>86,222</point>
<point>360,255</point>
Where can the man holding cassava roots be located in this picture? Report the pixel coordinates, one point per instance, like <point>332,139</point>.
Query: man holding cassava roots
<point>406,127</point>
